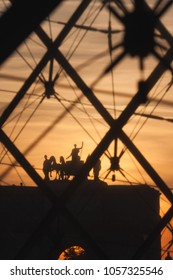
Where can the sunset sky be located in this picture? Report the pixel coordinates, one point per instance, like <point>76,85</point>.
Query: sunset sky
<point>35,114</point>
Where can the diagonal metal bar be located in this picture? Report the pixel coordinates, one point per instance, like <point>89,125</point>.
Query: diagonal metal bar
<point>17,23</point>
<point>121,5</point>
<point>153,235</point>
<point>114,11</point>
<point>165,33</point>
<point>161,185</point>
<point>165,8</point>
<point>44,61</point>
<point>148,85</point>
<point>146,165</point>
<point>159,25</point>
<point>56,201</point>
<point>75,16</point>
<point>7,112</point>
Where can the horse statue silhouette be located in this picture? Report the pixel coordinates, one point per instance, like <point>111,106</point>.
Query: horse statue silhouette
<point>65,169</point>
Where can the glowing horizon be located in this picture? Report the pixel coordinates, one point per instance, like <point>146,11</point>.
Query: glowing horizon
<point>60,128</point>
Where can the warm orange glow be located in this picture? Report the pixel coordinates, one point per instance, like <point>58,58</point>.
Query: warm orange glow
<point>60,121</point>
<point>73,252</point>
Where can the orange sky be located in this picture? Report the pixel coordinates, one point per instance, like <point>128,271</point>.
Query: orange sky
<point>154,139</point>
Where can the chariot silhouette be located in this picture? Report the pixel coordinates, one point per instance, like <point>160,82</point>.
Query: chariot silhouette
<point>64,169</point>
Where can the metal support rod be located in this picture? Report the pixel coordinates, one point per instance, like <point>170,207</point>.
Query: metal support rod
<point>74,18</point>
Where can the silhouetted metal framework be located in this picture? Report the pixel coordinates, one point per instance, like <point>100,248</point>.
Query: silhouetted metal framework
<point>30,22</point>
<point>13,33</point>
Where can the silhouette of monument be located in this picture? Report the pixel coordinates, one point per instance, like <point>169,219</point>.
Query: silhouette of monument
<point>118,219</point>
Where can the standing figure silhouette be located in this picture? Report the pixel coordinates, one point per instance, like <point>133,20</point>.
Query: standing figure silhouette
<point>75,153</point>
<point>46,167</point>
